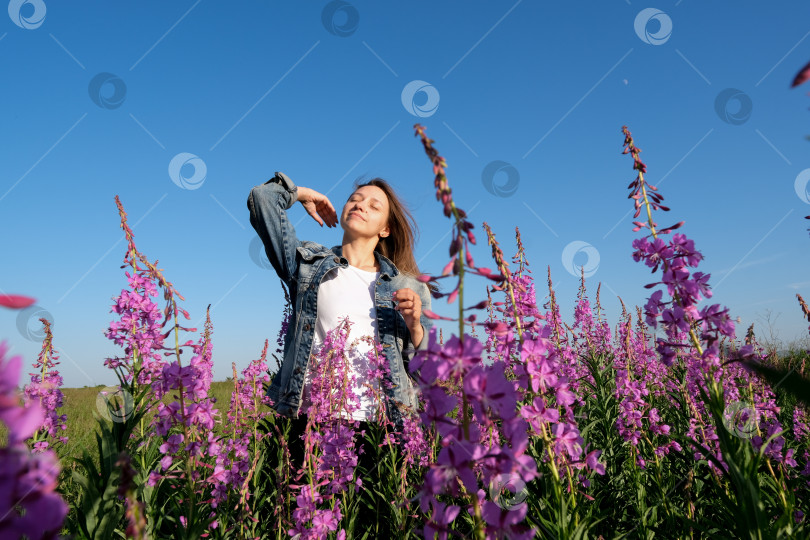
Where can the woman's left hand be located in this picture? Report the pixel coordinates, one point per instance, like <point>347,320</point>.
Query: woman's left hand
<point>410,305</point>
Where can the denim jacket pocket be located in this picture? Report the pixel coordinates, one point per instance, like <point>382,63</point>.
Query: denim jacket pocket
<point>310,254</point>
<point>310,251</point>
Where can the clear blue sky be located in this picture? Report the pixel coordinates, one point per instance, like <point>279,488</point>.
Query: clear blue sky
<point>255,87</point>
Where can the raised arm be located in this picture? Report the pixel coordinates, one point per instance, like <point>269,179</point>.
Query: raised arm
<point>268,204</point>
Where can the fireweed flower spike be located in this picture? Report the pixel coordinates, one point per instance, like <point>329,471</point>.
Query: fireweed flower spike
<point>679,316</point>
<point>461,259</point>
<point>44,387</point>
<point>139,329</point>
<point>234,467</point>
<point>329,458</point>
<point>193,411</point>
<point>185,424</point>
<point>487,438</point>
<point>27,479</point>
<point>545,372</point>
<point>693,334</point>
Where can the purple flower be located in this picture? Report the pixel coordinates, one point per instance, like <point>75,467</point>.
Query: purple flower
<point>684,248</point>
<point>44,388</point>
<point>489,391</point>
<point>675,317</point>
<point>139,329</point>
<point>537,412</point>
<point>172,444</point>
<point>27,479</point>
<point>564,395</point>
<point>454,461</point>
<point>716,317</point>
<point>654,308</point>
<point>567,439</point>
<point>504,522</point>
<point>441,516</point>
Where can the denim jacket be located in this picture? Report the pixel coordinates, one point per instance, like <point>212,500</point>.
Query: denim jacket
<point>302,266</point>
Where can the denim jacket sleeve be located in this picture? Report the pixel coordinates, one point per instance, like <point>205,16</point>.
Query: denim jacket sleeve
<point>268,204</point>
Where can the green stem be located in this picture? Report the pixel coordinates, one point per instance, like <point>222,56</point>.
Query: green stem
<point>187,439</point>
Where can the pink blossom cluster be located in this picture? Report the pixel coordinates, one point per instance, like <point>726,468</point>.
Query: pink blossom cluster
<point>545,365</point>
<point>453,377</point>
<point>138,330</point>
<point>188,421</point>
<point>330,457</point>
<point>29,503</point>
<point>45,387</point>
<point>693,334</point>
<point>233,458</point>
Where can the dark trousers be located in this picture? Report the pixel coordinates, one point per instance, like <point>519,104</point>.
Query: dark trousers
<point>367,463</point>
<point>296,445</point>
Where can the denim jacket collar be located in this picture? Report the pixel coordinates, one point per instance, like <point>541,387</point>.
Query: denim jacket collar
<point>387,268</point>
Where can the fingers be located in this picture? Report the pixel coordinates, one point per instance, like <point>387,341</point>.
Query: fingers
<point>407,302</point>
<point>326,210</point>
<point>316,217</point>
<point>332,212</point>
<point>318,206</point>
<point>406,294</point>
<point>328,213</point>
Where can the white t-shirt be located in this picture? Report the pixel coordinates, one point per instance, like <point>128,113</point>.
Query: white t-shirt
<point>348,292</point>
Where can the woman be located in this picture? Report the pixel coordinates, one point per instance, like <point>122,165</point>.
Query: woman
<point>370,277</point>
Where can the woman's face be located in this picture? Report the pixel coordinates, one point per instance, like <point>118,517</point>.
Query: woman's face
<point>365,214</point>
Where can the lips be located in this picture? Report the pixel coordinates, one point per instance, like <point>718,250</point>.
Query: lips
<point>355,214</point>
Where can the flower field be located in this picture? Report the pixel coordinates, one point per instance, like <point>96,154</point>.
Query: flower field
<point>669,422</point>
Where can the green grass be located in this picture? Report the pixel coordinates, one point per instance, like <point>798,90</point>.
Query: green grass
<point>82,424</point>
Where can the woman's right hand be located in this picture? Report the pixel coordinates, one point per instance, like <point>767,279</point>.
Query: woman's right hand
<point>318,206</point>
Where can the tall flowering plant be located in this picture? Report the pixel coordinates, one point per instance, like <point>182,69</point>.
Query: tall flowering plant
<point>547,376</point>
<point>238,452</point>
<point>138,328</point>
<point>45,387</point>
<point>186,427</point>
<point>329,438</point>
<point>693,337</point>
<point>176,447</point>
<point>472,405</point>
<point>29,503</point>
